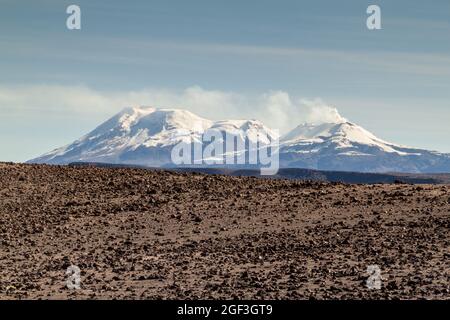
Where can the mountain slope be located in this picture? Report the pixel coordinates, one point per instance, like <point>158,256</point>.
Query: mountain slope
<point>128,132</point>
<point>146,136</point>
<point>346,146</point>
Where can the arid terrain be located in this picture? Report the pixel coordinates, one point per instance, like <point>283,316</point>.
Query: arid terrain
<point>149,234</point>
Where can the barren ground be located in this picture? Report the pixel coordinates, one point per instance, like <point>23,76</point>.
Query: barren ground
<point>145,234</point>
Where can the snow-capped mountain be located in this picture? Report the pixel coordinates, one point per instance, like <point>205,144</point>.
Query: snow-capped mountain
<point>345,146</point>
<point>146,136</point>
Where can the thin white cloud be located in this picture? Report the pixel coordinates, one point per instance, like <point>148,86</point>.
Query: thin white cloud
<point>128,51</point>
<point>277,109</point>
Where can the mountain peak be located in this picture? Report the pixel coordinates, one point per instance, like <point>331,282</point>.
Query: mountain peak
<point>309,130</point>
<point>341,135</point>
<point>144,117</point>
<point>145,135</point>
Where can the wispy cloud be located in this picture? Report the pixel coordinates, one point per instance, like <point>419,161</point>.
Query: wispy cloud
<point>142,52</point>
<point>275,108</point>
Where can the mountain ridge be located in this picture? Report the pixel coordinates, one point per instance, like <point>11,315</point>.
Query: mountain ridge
<point>146,135</point>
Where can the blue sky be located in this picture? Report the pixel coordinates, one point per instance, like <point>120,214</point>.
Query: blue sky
<point>223,59</point>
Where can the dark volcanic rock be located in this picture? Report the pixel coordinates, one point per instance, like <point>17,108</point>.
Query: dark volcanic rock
<point>151,234</point>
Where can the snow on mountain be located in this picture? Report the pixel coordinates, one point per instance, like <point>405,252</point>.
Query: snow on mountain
<point>348,147</point>
<point>146,136</point>
<point>127,131</point>
<point>341,136</point>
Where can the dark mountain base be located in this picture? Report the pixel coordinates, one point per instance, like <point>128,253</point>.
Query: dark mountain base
<point>305,174</point>
<point>151,234</point>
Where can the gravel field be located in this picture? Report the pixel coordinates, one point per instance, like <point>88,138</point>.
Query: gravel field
<point>150,234</point>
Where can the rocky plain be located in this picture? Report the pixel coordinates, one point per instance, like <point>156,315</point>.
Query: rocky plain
<point>155,234</point>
